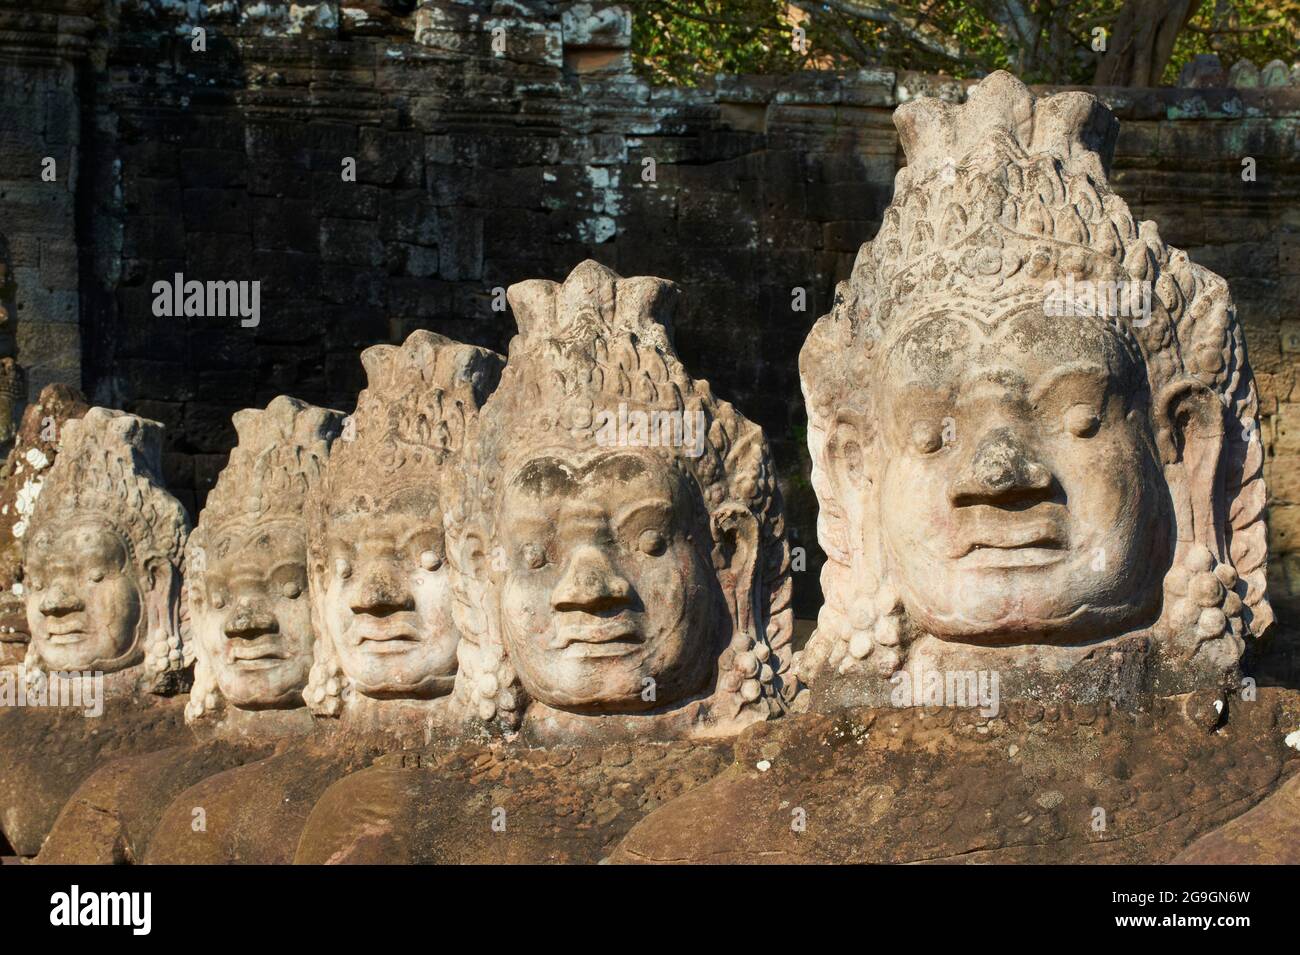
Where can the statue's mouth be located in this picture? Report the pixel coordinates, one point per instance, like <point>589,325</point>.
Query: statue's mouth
<point>392,636</point>
<point>1004,558</point>
<point>65,636</point>
<point>258,657</point>
<point>614,637</point>
<point>260,663</point>
<point>1037,544</point>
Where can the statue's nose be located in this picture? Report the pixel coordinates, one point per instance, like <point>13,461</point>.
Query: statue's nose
<point>590,582</point>
<point>381,592</point>
<point>1003,472</point>
<point>249,621</point>
<point>60,600</point>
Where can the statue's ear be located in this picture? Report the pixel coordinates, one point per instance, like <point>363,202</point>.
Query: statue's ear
<point>163,612</point>
<point>736,558</point>
<point>1189,436</point>
<point>164,581</point>
<point>467,552</point>
<point>845,482</point>
<point>471,555</point>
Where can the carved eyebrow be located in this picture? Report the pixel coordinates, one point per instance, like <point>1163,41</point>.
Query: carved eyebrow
<point>244,572</point>
<point>1095,374</point>
<point>52,562</point>
<point>407,537</point>
<point>576,511</point>
<point>661,507</point>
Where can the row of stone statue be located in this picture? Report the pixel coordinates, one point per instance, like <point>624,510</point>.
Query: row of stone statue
<point>580,540</point>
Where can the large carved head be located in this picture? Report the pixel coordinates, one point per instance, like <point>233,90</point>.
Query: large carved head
<point>623,526</point>
<point>246,563</point>
<point>1031,421</point>
<point>380,591</point>
<point>102,555</point>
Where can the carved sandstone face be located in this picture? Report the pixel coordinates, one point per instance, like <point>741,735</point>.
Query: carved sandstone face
<point>604,586</point>
<point>253,617</point>
<point>84,604</point>
<point>1020,498</point>
<point>386,599</point>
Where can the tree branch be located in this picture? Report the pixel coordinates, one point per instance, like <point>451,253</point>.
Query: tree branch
<point>894,19</point>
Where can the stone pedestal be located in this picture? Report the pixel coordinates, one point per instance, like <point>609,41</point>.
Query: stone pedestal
<point>1033,784</point>
<point>480,804</point>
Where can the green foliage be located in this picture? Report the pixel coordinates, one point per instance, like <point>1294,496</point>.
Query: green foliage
<point>683,41</point>
<point>1255,30</point>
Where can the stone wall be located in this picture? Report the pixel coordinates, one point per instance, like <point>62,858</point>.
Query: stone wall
<point>41,62</point>
<point>497,142</point>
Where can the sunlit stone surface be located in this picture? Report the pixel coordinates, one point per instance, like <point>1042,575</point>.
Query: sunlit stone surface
<point>622,541</point>
<point>1033,428</point>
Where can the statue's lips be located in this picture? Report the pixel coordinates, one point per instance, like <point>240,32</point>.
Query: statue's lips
<point>1033,545</point>
<point>1003,558</point>
<point>391,636</point>
<point>65,634</point>
<point>606,638</point>
<point>258,657</point>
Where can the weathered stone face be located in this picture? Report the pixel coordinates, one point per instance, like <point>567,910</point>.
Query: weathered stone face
<point>1021,495</point>
<point>102,553</point>
<point>620,541</point>
<point>85,609</point>
<point>604,592</point>
<point>380,584</point>
<point>1033,427</point>
<point>247,562</point>
<point>254,619</point>
<point>22,477</point>
<point>385,597</point>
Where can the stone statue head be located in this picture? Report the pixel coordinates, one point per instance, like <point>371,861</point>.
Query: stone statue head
<point>102,556</point>
<point>381,599</point>
<point>1032,423</point>
<point>622,538</point>
<point>23,474</point>
<point>246,563</point>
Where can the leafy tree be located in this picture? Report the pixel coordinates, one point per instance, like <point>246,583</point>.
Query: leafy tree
<point>1121,42</point>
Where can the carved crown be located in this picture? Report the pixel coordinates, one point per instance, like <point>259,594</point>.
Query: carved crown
<point>110,466</point>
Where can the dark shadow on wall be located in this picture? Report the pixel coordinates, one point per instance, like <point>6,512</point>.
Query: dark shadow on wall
<point>13,382</point>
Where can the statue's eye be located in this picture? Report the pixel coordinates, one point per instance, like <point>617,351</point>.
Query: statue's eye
<point>1082,421</point>
<point>927,437</point>
<point>96,575</point>
<point>292,589</point>
<point>429,560</point>
<point>652,542</point>
<point>342,569</point>
<point>534,555</point>
<point>218,599</point>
